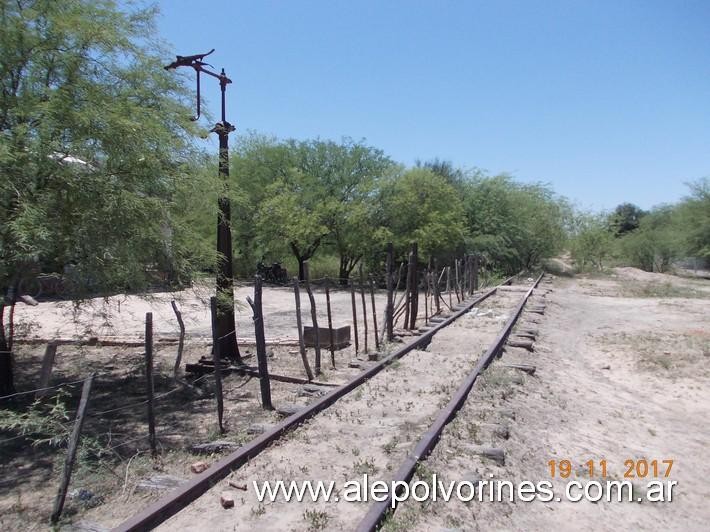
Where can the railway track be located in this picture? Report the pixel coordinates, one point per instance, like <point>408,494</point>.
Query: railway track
<point>372,429</point>
<point>378,511</point>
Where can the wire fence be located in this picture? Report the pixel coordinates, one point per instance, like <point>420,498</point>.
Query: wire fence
<point>145,402</point>
<point>422,282</point>
<point>98,415</point>
<point>36,390</point>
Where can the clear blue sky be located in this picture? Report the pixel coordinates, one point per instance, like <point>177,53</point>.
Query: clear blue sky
<point>609,101</point>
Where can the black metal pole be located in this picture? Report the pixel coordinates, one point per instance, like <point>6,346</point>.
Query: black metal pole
<point>216,358</point>
<point>226,329</point>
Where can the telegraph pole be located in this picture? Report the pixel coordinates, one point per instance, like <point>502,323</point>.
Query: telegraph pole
<point>225,334</point>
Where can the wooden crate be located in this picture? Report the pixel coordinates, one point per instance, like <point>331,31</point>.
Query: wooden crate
<point>341,337</point>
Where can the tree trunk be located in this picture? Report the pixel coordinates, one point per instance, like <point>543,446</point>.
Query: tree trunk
<point>301,268</point>
<point>302,257</point>
<point>347,265</point>
<point>343,271</point>
<point>7,379</point>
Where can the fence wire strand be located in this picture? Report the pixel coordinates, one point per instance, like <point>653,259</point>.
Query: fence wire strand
<point>140,403</point>
<point>71,383</point>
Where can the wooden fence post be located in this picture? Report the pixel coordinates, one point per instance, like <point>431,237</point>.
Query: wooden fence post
<point>389,310</point>
<point>181,341</point>
<point>471,286</point>
<point>314,318</point>
<point>149,380</point>
<point>437,285</point>
<point>46,373</point>
<point>72,448</point>
<point>217,365</point>
<point>463,278</point>
<point>330,322</point>
<point>264,382</point>
<point>426,296</point>
<point>301,342</point>
<point>374,312</point>
<point>458,285</point>
<point>408,291</point>
<point>352,301</point>
<point>436,281</point>
<point>364,306</point>
<point>476,267</point>
<point>402,303</point>
<point>448,286</point>
<point>414,300</point>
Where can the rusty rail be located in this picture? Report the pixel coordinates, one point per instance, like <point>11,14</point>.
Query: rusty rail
<point>178,499</point>
<point>377,512</point>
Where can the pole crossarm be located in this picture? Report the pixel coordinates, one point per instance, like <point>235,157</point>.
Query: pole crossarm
<point>222,128</point>
<point>196,62</point>
<point>188,60</point>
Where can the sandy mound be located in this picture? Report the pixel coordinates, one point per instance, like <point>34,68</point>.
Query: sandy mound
<point>559,266</point>
<point>627,272</point>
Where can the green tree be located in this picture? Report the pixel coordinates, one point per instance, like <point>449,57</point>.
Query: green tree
<point>351,173</point>
<point>421,206</point>
<point>592,242</point>
<point>670,232</point>
<point>543,217</point>
<point>514,225</point>
<point>95,144</point>
<point>489,209</point>
<point>258,161</point>
<point>657,242</point>
<point>456,177</point>
<point>310,193</point>
<point>292,214</point>
<point>694,217</point>
<point>625,218</point>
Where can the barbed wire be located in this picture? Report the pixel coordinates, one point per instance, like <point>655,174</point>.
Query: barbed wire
<point>3,442</point>
<point>26,434</point>
<point>41,389</point>
<point>145,401</point>
<point>124,407</point>
<point>132,440</point>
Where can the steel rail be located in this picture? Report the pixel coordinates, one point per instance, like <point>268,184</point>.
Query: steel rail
<point>179,498</point>
<point>379,511</point>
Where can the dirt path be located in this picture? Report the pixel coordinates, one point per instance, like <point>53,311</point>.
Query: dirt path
<point>618,378</point>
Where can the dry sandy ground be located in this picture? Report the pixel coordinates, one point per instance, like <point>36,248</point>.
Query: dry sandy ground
<point>622,373</point>
<point>29,474</point>
<point>123,316</point>
<point>620,376</point>
<point>368,431</point>
<point>117,411</point>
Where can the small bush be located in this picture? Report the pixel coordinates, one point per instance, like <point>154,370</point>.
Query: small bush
<point>592,243</point>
